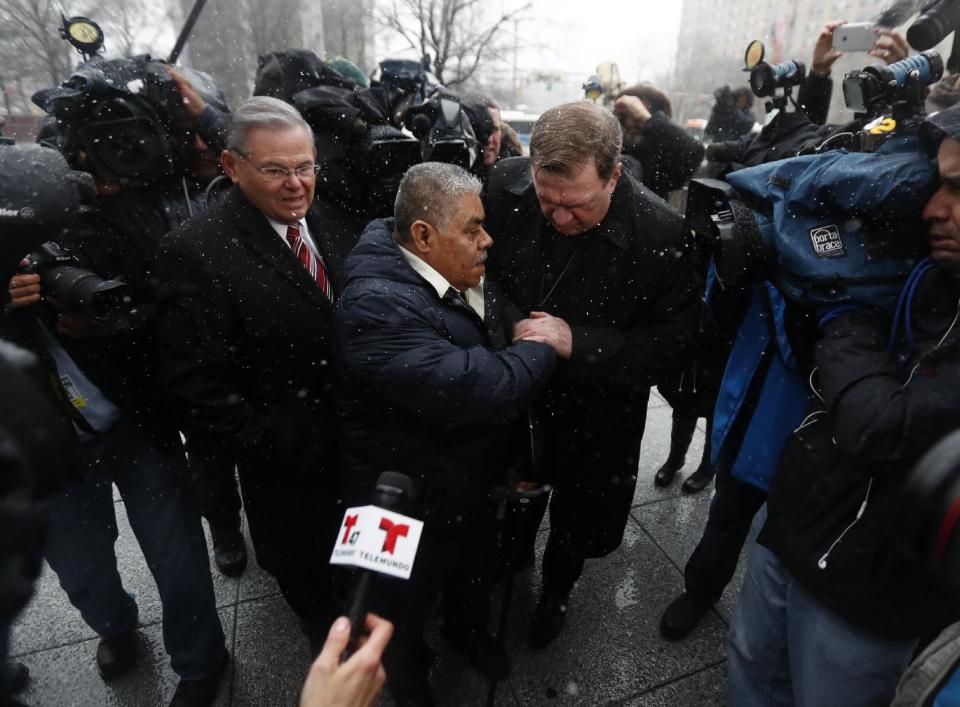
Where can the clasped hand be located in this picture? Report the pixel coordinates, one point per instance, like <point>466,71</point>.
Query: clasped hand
<point>545,329</point>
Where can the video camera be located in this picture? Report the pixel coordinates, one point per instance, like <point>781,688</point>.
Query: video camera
<point>367,137</point>
<point>122,115</point>
<point>897,88</point>
<point>361,149</point>
<point>444,131</point>
<point>828,226</point>
<point>766,78</point>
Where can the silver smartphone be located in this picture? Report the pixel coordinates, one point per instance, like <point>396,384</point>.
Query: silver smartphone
<point>854,37</point>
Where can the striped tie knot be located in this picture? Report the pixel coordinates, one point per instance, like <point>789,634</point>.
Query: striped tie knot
<point>312,264</point>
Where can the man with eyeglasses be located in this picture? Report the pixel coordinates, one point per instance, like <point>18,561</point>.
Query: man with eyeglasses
<point>246,336</point>
<point>596,266</point>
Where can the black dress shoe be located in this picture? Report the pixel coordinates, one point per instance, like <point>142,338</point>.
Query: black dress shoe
<point>200,692</point>
<point>116,654</point>
<point>15,676</point>
<point>698,480</point>
<point>682,616</point>
<point>229,549</point>
<point>665,473</point>
<point>548,619</point>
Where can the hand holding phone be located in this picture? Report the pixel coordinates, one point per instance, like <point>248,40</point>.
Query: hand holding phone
<point>854,37</point>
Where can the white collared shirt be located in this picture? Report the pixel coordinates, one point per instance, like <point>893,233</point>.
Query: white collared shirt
<point>474,295</point>
<point>281,229</point>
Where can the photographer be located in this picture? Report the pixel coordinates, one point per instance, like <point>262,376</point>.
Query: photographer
<point>107,369</point>
<point>816,91</point>
<point>38,450</point>
<point>731,115</point>
<point>139,203</point>
<point>668,155</point>
<point>827,569</point>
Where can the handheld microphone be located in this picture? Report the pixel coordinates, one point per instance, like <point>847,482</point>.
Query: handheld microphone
<point>378,539</point>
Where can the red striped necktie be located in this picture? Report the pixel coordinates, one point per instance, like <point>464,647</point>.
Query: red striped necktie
<point>308,260</point>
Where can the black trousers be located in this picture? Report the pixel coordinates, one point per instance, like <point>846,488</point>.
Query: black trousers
<point>714,561</point>
<point>455,560</point>
<point>293,514</point>
<point>591,455</point>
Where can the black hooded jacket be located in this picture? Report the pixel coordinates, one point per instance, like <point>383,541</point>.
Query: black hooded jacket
<point>835,500</point>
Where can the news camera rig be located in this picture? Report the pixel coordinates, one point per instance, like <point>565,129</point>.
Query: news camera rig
<point>827,227</point>
<point>367,137</point>
<point>766,78</point>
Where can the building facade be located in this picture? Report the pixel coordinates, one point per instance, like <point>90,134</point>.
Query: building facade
<point>714,36</point>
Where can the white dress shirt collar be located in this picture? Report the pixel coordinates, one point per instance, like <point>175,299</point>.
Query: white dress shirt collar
<point>474,295</point>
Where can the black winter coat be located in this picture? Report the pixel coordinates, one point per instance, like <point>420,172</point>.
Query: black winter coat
<point>633,303</point>
<point>877,419</point>
<point>246,336</point>
<point>668,154</point>
<point>430,389</point>
<point>119,241</point>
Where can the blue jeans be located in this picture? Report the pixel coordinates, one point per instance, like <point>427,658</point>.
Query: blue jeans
<point>786,648</point>
<point>151,474</point>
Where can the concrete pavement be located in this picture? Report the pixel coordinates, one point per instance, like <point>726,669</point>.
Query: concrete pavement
<point>609,653</point>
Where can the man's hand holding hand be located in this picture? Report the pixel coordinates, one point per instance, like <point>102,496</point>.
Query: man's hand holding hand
<point>546,329</point>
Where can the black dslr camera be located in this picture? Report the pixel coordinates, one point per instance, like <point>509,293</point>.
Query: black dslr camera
<point>61,275</point>
<point>39,197</point>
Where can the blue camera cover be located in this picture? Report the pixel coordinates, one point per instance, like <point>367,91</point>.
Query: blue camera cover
<point>845,226</point>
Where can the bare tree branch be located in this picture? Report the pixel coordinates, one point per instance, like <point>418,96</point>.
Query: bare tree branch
<point>458,34</point>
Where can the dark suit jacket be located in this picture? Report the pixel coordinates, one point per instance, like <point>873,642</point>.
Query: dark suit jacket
<point>632,302</point>
<point>246,336</point>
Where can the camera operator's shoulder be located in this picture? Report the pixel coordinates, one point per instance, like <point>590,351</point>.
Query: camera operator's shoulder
<point>509,177</point>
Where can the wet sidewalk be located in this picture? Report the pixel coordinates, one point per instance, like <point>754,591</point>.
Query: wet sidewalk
<point>610,651</point>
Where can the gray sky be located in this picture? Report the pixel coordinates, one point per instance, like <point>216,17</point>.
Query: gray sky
<point>569,38</point>
<point>640,35</point>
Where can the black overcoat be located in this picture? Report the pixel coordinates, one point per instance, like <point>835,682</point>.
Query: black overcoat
<point>631,299</point>
<point>246,344</point>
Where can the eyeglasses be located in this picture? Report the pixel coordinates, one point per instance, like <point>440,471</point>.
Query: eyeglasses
<point>274,173</point>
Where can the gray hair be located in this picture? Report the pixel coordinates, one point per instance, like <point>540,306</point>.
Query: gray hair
<point>429,192</point>
<point>262,112</point>
<point>566,136</point>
